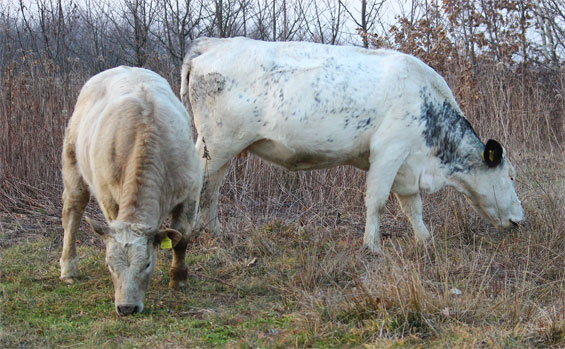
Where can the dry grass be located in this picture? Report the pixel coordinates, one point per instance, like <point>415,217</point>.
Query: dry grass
<point>289,271</point>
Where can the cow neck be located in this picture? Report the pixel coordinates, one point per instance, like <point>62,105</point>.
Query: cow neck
<point>450,136</point>
<point>146,210</point>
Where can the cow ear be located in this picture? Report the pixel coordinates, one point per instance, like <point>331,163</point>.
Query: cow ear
<point>172,234</point>
<point>98,227</point>
<point>492,153</point>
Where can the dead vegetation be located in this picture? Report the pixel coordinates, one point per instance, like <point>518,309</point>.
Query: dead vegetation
<point>291,250</point>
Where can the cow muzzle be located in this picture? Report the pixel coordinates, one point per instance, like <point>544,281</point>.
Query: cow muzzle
<point>127,309</point>
<point>517,218</point>
<point>508,225</point>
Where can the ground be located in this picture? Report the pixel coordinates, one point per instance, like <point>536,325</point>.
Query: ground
<point>290,271</point>
<point>284,285</point>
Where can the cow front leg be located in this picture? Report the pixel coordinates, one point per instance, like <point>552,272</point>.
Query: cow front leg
<point>75,198</point>
<point>412,206</point>
<point>375,201</point>
<point>382,171</point>
<point>183,220</point>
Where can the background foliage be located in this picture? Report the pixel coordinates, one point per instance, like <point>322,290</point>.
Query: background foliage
<point>288,270</point>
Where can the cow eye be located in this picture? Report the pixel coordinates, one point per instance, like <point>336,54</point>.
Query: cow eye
<point>512,179</point>
<point>148,265</point>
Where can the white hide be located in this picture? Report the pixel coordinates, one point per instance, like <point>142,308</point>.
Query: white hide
<point>129,143</point>
<point>308,106</point>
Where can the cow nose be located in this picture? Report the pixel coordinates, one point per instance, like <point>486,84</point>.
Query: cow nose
<point>127,309</point>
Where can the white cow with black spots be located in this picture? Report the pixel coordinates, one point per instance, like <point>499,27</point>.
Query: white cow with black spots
<point>308,106</point>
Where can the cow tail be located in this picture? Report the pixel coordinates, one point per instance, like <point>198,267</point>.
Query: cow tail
<point>194,50</point>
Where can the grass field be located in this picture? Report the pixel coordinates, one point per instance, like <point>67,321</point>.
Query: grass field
<point>289,270</point>
<point>306,282</point>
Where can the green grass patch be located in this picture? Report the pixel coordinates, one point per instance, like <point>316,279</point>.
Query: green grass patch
<point>313,290</point>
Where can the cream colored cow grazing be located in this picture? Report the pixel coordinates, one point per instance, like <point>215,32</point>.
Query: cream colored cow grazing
<point>129,143</point>
<point>307,106</point>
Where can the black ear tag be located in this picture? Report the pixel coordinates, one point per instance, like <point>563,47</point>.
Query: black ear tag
<point>492,153</point>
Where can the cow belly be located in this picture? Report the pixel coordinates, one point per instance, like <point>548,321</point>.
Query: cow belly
<point>295,159</point>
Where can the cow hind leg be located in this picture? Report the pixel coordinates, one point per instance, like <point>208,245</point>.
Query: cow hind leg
<point>209,199</point>
<point>215,162</point>
<point>182,220</point>
<point>75,198</point>
<point>412,206</point>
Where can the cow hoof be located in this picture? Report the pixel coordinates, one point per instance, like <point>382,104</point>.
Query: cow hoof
<point>178,275</point>
<point>214,227</point>
<point>425,241</point>
<point>374,251</point>
<point>424,237</point>
<point>178,285</point>
<point>69,268</point>
<point>213,232</point>
<point>68,280</point>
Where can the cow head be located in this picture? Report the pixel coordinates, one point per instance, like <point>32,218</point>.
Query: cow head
<point>131,257</point>
<point>490,187</point>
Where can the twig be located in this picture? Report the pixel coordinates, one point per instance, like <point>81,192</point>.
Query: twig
<point>194,273</point>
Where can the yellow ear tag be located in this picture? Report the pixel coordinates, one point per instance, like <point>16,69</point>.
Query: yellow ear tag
<point>166,243</point>
<point>490,155</point>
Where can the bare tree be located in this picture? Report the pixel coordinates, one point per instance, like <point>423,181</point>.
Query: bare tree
<point>220,17</point>
<point>245,5</point>
<point>264,20</point>
<point>324,23</point>
<point>105,33</point>
<point>133,23</point>
<point>293,20</point>
<point>368,17</point>
<point>180,21</point>
<point>550,15</point>
<point>142,14</point>
<point>227,22</point>
<point>95,48</point>
<point>45,28</point>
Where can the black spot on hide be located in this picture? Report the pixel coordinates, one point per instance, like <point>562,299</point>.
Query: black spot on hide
<point>445,130</point>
